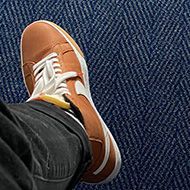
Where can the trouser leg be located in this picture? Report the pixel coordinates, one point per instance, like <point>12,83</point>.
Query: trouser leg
<point>57,150</point>
<point>15,154</point>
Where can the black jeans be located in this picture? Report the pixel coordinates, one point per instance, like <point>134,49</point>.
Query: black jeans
<point>41,147</point>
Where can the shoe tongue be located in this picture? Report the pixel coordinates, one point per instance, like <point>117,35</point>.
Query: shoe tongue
<point>56,99</point>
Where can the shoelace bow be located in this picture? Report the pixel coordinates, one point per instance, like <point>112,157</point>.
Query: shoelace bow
<point>49,77</point>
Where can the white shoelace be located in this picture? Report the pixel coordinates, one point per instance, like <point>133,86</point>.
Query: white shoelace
<point>50,80</point>
<point>49,77</point>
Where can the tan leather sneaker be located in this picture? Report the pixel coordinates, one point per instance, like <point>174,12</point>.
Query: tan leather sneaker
<point>55,71</point>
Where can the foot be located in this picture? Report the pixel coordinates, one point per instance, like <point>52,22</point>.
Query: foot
<point>55,70</point>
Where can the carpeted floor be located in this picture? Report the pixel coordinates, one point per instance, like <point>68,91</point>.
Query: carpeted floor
<point>138,54</point>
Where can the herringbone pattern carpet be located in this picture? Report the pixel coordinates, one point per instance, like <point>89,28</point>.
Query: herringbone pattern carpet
<point>138,54</point>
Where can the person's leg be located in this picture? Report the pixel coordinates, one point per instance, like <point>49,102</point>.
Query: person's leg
<point>15,154</point>
<point>44,144</point>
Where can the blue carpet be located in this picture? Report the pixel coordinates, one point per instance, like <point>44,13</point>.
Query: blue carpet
<point>138,55</point>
